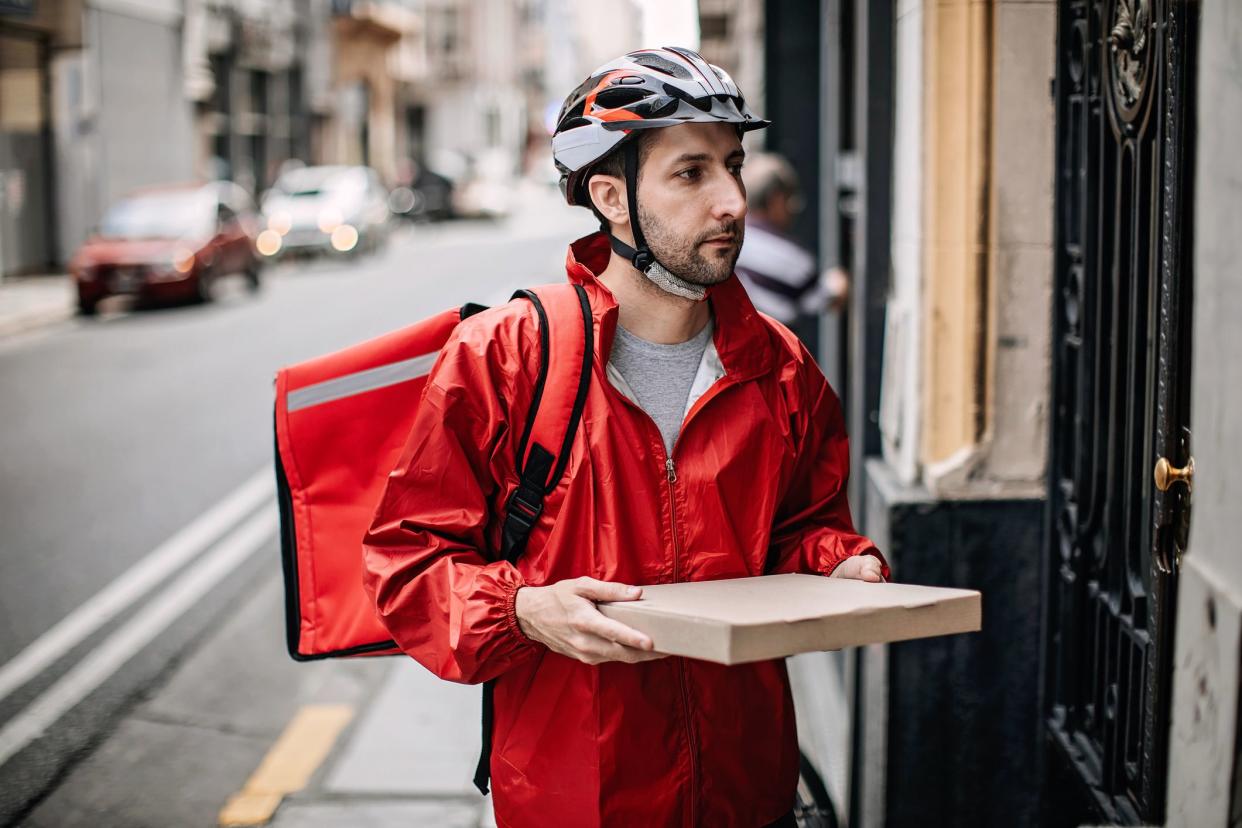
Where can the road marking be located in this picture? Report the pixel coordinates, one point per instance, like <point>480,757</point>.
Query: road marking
<point>170,556</point>
<point>137,632</point>
<point>289,765</point>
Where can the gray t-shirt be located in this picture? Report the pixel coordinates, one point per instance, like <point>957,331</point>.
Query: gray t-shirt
<point>661,376</point>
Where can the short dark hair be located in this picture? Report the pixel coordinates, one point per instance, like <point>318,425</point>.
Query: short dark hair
<point>613,164</point>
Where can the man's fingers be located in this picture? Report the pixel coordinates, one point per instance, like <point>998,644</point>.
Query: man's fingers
<point>862,568</point>
<point>610,630</point>
<point>607,590</point>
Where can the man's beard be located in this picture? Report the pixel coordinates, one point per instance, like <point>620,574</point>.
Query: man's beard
<point>688,259</point>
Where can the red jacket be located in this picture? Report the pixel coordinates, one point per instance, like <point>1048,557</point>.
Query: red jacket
<point>761,461</point>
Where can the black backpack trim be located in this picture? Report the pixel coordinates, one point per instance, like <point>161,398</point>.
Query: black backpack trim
<point>537,478</point>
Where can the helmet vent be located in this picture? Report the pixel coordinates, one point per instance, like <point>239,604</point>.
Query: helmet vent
<point>572,123</point>
<point>660,64</point>
<point>618,96</point>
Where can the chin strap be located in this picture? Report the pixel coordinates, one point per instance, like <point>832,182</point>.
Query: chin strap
<point>643,260</point>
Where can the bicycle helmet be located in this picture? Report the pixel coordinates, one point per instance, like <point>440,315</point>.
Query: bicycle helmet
<point>646,89</point>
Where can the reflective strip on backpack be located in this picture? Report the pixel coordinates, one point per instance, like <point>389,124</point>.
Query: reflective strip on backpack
<point>361,382</point>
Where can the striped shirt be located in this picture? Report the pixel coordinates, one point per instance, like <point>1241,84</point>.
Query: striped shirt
<point>780,277</point>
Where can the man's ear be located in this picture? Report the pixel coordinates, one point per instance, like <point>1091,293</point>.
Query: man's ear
<point>608,195</point>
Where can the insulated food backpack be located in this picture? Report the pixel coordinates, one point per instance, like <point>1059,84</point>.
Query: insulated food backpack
<point>341,422</point>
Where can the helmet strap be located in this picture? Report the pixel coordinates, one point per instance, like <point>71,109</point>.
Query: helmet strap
<point>643,260</point>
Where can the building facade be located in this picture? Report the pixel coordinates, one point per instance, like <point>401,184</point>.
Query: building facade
<point>1035,202</point>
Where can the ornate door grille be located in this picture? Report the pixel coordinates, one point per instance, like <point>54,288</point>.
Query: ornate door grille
<point>1124,97</point>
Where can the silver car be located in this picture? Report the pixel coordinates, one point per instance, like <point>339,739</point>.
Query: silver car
<point>329,209</point>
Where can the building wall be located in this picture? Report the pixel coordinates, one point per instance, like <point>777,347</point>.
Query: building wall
<point>74,105</point>
<point>1204,766</point>
<point>956,498</point>
<point>901,390</point>
<point>967,352</point>
<point>142,121</point>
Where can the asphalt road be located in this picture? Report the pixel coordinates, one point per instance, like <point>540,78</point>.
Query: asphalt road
<point>120,432</point>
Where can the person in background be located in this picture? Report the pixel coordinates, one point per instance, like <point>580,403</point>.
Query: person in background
<point>779,274</point>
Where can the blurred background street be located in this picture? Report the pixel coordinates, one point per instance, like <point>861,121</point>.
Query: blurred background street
<point>192,195</point>
<point>157,416</point>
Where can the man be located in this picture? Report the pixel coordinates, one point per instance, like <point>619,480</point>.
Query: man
<point>710,447</point>
<point>779,274</point>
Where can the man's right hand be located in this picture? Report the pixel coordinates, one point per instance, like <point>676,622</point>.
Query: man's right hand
<point>564,617</point>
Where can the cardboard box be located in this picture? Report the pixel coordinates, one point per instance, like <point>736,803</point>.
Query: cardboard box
<point>772,616</point>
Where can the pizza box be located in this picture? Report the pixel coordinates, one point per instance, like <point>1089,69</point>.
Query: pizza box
<point>772,616</point>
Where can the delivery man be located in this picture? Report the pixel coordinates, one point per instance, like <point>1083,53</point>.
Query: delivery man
<point>710,447</point>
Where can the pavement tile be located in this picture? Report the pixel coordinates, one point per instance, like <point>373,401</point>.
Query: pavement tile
<point>419,736</point>
<point>376,814</point>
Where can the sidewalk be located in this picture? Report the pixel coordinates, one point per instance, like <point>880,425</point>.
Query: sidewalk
<point>407,761</point>
<point>31,302</point>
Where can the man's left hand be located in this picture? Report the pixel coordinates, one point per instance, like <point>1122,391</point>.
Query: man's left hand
<point>861,568</point>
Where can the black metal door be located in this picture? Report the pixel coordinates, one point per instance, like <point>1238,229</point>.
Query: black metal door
<point>1124,96</point>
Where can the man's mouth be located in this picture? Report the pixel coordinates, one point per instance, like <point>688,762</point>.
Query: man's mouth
<point>721,240</point>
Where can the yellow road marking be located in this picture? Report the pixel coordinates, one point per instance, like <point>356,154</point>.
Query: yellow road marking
<point>289,765</point>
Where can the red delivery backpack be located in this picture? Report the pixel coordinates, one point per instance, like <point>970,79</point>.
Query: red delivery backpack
<point>342,421</point>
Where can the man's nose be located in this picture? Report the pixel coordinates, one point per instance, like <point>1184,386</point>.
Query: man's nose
<point>729,200</point>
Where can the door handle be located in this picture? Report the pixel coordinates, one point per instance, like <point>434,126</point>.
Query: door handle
<point>1167,474</point>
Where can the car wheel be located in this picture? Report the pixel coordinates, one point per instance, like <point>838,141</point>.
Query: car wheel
<point>253,279</point>
<point>88,307</point>
<point>813,806</point>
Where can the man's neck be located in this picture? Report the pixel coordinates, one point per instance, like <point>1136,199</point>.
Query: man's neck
<point>649,312</point>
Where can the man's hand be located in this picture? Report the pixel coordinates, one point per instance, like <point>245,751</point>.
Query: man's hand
<point>860,567</point>
<point>563,617</point>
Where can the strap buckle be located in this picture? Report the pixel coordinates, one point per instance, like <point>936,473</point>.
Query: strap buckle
<point>525,506</point>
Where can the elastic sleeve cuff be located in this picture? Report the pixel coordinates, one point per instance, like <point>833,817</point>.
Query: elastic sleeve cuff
<point>511,618</point>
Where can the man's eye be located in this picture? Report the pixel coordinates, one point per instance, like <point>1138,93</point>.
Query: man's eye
<point>691,174</point>
<point>736,169</point>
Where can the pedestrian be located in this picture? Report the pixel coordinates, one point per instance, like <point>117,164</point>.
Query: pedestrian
<point>780,274</point>
<point>710,447</point>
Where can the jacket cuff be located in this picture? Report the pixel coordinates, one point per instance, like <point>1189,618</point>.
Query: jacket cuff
<point>511,618</point>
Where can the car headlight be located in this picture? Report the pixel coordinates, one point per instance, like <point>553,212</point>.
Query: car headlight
<point>183,260</point>
<point>344,238</point>
<point>268,243</point>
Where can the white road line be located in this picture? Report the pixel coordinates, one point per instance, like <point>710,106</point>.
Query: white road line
<point>137,632</point>
<point>172,555</point>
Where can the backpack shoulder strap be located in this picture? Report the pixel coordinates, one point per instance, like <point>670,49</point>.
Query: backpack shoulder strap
<point>566,356</point>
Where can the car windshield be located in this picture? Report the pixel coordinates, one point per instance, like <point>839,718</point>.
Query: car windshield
<point>160,216</point>
<point>318,181</point>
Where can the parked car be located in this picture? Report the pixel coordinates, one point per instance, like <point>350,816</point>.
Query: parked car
<point>331,209</point>
<point>429,197</point>
<point>169,243</point>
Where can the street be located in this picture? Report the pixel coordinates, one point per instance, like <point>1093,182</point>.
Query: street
<point>143,672</point>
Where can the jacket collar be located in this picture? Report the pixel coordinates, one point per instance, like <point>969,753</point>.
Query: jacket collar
<point>742,339</point>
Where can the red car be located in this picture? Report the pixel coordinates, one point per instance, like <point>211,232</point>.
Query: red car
<point>169,243</point>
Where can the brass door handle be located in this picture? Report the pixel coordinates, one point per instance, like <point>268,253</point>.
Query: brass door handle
<point>1167,474</point>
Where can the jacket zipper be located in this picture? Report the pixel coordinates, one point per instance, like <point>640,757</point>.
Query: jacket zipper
<point>671,474</point>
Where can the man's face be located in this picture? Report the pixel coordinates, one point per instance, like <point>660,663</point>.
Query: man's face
<point>691,202</point>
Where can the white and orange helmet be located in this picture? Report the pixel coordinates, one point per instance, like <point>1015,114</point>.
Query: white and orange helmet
<point>646,89</point>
